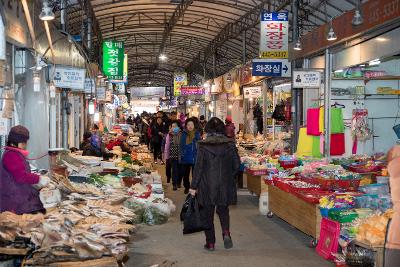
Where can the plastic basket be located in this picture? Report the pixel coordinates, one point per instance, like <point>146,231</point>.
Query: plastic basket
<point>280,183</point>
<point>351,184</point>
<point>288,164</point>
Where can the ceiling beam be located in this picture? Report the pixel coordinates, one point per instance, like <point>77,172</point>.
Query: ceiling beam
<point>176,16</point>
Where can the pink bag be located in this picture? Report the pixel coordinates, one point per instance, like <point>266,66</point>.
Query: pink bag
<point>313,121</point>
<point>328,239</point>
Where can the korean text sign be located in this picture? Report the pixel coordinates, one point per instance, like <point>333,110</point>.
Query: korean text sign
<point>306,79</point>
<point>274,34</point>
<point>68,77</point>
<point>113,59</point>
<point>271,67</point>
<point>180,79</point>
<point>192,90</point>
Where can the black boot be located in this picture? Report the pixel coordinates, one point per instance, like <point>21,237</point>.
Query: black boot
<point>228,244</point>
<point>209,247</point>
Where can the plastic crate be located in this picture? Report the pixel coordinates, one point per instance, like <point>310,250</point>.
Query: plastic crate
<point>288,164</point>
<point>257,172</point>
<point>313,196</point>
<point>351,184</point>
<point>280,183</point>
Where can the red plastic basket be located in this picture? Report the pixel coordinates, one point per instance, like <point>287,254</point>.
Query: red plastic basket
<point>288,164</point>
<point>257,172</point>
<point>280,183</point>
<point>312,196</point>
<point>352,184</point>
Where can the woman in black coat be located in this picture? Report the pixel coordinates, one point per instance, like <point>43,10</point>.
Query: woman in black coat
<point>213,180</point>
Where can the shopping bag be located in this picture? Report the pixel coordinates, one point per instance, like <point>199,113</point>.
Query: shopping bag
<point>193,221</point>
<point>185,207</point>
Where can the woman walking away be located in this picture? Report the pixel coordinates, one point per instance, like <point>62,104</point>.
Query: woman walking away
<point>214,179</point>
<point>172,152</point>
<point>156,138</point>
<point>392,251</point>
<point>188,150</point>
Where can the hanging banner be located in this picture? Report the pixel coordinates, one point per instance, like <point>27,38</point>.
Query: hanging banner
<point>306,79</point>
<point>125,78</point>
<point>90,86</point>
<point>68,77</point>
<point>252,92</point>
<point>274,34</point>
<point>113,59</point>
<point>101,93</point>
<point>192,90</point>
<point>137,92</point>
<point>180,79</point>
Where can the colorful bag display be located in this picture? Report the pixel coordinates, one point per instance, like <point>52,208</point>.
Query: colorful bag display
<point>308,145</point>
<point>313,121</point>
<point>337,144</point>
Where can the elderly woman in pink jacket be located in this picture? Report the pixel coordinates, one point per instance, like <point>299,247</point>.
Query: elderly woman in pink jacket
<point>392,257</point>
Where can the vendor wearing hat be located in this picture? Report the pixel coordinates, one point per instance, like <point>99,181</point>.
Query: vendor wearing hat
<point>17,193</point>
<point>229,127</point>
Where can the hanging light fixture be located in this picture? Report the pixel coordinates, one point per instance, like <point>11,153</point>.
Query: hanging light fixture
<point>163,57</point>
<point>331,34</point>
<point>297,46</point>
<point>47,12</point>
<point>357,19</point>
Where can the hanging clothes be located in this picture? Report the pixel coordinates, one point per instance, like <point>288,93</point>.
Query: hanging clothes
<point>337,122</point>
<point>337,144</point>
<point>313,121</point>
<point>360,128</point>
<point>308,145</point>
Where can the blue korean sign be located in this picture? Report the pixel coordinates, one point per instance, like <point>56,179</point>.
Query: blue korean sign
<point>271,67</point>
<point>275,16</point>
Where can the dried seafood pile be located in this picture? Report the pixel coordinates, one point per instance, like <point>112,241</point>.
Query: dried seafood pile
<point>82,227</point>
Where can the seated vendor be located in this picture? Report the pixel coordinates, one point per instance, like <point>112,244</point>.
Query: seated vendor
<point>17,193</point>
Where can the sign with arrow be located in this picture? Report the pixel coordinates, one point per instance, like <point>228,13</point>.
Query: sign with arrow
<point>271,67</point>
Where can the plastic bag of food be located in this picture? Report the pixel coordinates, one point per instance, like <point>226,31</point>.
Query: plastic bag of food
<point>138,206</point>
<point>153,216</point>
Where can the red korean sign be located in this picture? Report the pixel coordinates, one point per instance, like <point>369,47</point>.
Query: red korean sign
<point>274,35</point>
<point>192,90</point>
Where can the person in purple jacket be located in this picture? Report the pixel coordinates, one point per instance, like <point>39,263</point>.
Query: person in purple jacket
<point>17,193</point>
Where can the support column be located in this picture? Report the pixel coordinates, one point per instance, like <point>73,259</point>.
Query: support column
<point>245,102</point>
<point>64,107</point>
<point>265,96</point>
<point>295,103</point>
<point>63,15</point>
<point>327,103</point>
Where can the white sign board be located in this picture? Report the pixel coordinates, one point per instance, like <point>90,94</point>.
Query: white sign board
<point>252,92</point>
<point>67,77</point>
<point>306,79</point>
<point>101,93</point>
<point>147,92</point>
<point>274,34</point>
<point>90,86</point>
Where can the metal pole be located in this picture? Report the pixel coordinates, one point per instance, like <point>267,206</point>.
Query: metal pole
<point>245,101</point>
<point>265,95</point>
<point>63,15</point>
<point>89,33</point>
<point>295,103</point>
<point>64,101</point>
<point>327,101</point>
<point>244,47</point>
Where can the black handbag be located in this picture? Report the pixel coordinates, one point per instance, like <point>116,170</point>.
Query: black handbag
<point>193,220</point>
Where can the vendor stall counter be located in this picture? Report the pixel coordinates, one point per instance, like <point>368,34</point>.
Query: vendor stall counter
<point>303,215</point>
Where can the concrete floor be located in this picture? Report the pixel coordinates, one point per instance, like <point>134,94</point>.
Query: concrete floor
<point>258,241</point>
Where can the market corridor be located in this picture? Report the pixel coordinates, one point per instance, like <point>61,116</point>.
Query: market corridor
<point>258,241</point>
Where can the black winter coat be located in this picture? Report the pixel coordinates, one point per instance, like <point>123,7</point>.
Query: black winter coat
<point>214,173</point>
<point>156,129</point>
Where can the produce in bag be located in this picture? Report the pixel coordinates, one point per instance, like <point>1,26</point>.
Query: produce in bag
<point>153,216</point>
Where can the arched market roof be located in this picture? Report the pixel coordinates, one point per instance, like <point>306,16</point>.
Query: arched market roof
<point>188,31</point>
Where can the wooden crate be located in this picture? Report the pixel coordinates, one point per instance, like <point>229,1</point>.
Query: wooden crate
<point>297,212</point>
<point>254,184</point>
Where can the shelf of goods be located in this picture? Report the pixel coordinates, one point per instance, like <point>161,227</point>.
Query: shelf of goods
<point>303,215</point>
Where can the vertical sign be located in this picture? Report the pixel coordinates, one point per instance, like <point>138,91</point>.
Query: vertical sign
<point>274,34</point>
<point>180,79</point>
<point>113,59</point>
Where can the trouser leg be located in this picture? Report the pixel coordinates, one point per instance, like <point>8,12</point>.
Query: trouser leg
<point>209,216</point>
<point>168,169</point>
<point>186,175</point>
<point>175,171</point>
<point>223,214</point>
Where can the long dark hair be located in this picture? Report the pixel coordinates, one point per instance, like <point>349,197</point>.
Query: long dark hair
<point>215,126</point>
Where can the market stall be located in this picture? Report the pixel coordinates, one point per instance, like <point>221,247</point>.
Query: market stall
<point>92,207</point>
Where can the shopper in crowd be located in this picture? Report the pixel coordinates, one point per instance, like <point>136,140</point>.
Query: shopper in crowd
<point>172,153</point>
<point>392,251</point>
<point>96,141</point>
<point>17,193</point>
<point>86,145</point>
<point>229,127</point>
<point>156,139</point>
<point>168,168</point>
<point>145,128</point>
<point>188,149</point>
<point>129,120</point>
<point>214,179</point>
<point>182,119</point>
